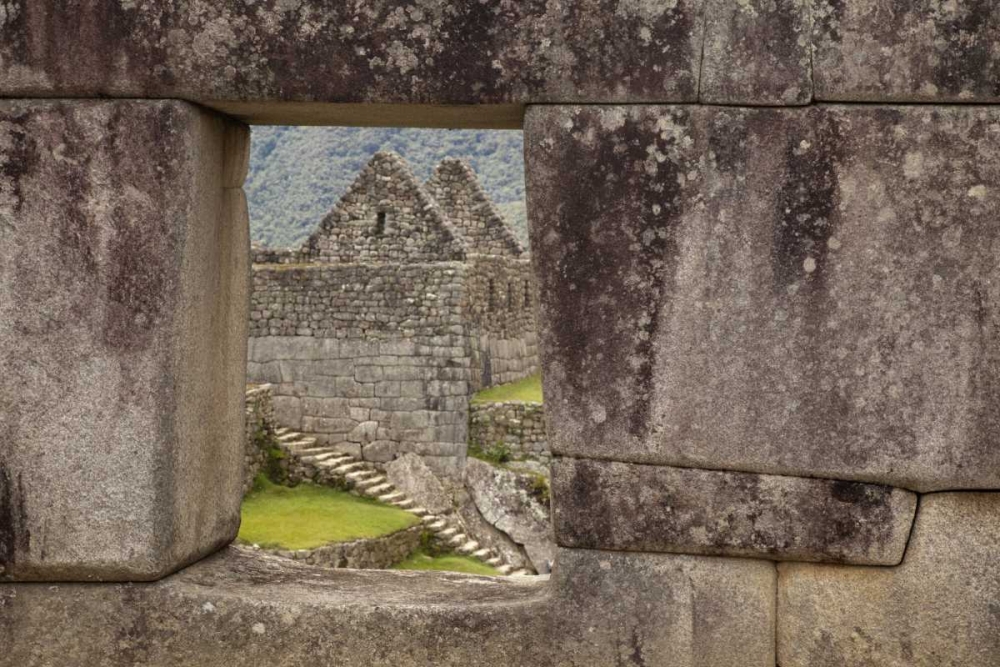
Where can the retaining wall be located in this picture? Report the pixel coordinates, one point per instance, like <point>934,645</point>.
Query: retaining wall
<point>520,426</point>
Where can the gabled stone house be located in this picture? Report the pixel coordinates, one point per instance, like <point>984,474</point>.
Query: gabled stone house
<point>406,299</point>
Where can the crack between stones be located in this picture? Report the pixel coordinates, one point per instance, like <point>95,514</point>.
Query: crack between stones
<point>704,46</point>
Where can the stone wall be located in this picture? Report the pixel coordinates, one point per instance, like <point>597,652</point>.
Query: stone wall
<point>358,301</point>
<point>381,359</point>
<point>377,553</point>
<point>520,426</point>
<point>498,305</point>
<point>258,431</point>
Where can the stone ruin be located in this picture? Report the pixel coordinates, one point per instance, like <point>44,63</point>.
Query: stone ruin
<point>765,238</point>
<point>407,299</point>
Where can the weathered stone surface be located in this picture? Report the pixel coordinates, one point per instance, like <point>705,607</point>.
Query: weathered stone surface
<point>123,291</point>
<point>505,500</point>
<point>757,52</point>
<point>622,506</point>
<point>481,530</point>
<point>241,57</point>
<point>749,290</point>
<point>411,475</point>
<point>666,609</point>
<point>244,608</point>
<point>914,51</point>
<point>940,607</point>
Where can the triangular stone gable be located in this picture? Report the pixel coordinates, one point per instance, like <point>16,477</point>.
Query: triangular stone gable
<point>463,201</point>
<point>385,216</point>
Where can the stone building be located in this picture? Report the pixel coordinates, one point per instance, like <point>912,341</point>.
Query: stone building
<point>406,299</point>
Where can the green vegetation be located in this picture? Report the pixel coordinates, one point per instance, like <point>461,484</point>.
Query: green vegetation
<point>297,174</point>
<point>528,390</point>
<point>309,516</point>
<point>540,489</point>
<point>497,454</point>
<point>421,560</point>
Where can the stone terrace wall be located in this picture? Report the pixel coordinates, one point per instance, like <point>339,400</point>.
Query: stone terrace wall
<point>258,428</point>
<point>412,227</point>
<point>370,358</point>
<point>377,553</point>
<point>520,426</point>
<point>498,306</point>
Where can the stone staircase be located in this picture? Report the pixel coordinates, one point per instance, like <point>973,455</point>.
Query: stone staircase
<point>335,468</point>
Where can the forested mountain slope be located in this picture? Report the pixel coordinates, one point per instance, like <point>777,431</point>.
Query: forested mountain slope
<point>298,173</point>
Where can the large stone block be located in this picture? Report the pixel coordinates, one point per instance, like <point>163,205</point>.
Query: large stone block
<point>757,52</point>
<point>940,607</point>
<point>123,297</point>
<point>750,290</point>
<point>240,608</point>
<point>244,58</point>
<point>621,506</point>
<point>664,609</point>
<point>914,51</point>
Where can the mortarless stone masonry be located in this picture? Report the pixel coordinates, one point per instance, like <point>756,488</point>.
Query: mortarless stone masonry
<point>519,426</point>
<point>395,310</point>
<point>810,292</point>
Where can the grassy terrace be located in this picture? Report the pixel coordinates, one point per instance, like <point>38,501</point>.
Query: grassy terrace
<point>308,516</point>
<point>528,390</point>
<point>448,563</point>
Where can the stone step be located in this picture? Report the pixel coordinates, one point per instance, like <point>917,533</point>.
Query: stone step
<point>350,467</point>
<point>468,548</point>
<point>315,450</point>
<point>520,573</point>
<point>369,483</point>
<point>359,475</point>
<point>299,445</point>
<point>505,569</point>
<point>446,533</point>
<point>391,498</point>
<point>456,540</point>
<point>482,554</point>
<point>288,436</point>
<point>404,504</point>
<point>496,561</point>
<point>430,518</point>
<point>379,489</point>
<point>336,461</point>
<point>419,511</point>
<point>319,458</point>
<point>280,431</point>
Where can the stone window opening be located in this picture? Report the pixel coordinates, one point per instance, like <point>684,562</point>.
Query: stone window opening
<point>372,343</point>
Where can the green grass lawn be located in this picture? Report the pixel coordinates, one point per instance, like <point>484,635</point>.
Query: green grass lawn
<point>448,563</point>
<point>309,516</point>
<point>528,390</point>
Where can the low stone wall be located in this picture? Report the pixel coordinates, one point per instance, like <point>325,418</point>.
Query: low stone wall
<point>520,426</point>
<point>259,426</point>
<point>379,553</point>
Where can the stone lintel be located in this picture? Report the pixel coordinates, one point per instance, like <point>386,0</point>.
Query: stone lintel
<point>252,59</point>
<point>603,505</point>
<point>757,52</point>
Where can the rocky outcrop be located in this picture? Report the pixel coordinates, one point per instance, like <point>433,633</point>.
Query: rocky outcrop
<point>411,476</point>
<point>505,500</point>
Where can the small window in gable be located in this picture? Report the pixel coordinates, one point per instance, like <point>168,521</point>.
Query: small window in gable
<point>380,223</point>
